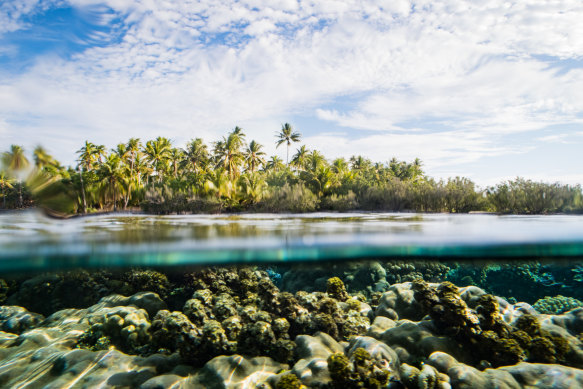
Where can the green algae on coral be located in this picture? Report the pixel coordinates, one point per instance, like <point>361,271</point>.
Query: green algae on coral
<point>336,289</point>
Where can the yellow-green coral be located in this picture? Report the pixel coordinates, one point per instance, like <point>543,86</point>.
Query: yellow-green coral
<point>339,367</point>
<point>529,324</point>
<point>352,305</point>
<point>361,356</point>
<point>336,289</point>
<point>289,381</point>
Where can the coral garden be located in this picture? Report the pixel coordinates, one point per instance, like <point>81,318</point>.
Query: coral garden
<point>353,325</point>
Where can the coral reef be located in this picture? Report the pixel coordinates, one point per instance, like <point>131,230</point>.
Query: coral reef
<point>527,281</point>
<point>236,329</point>
<point>557,304</point>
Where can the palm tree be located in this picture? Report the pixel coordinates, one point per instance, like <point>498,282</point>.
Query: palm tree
<point>238,131</point>
<point>300,157</point>
<point>360,163</point>
<point>112,173</point>
<point>275,163</point>
<point>42,158</point>
<point>286,135</point>
<point>120,150</point>
<point>340,165</point>
<point>315,159</point>
<point>87,155</point>
<point>16,161</point>
<point>141,168</point>
<point>228,152</point>
<point>416,169</point>
<point>157,153</point>
<point>219,182</point>
<point>133,149</point>
<point>175,157</point>
<point>322,179</point>
<point>254,155</point>
<point>5,182</point>
<point>100,153</point>
<point>196,155</point>
<point>254,186</point>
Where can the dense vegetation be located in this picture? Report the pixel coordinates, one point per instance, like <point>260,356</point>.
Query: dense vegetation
<point>235,175</point>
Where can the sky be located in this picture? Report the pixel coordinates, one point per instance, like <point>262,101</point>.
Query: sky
<point>489,90</point>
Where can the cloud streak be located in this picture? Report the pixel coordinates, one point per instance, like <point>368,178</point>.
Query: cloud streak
<point>448,81</point>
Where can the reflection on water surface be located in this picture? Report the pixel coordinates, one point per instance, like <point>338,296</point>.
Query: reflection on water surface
<point>126,239</point>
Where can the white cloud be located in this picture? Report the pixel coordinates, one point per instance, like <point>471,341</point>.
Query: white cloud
<point>197,68</point>
<point>558,138</point>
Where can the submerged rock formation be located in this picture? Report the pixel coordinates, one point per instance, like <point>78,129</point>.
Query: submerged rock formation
<point>236,329</point>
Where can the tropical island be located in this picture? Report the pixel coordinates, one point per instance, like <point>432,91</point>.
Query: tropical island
<point>233,175</point>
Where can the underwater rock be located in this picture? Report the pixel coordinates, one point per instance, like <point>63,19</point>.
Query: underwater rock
<point>379,325</point>
<point>214,340</point>
<point>149,301</point>
<point>313,351</point>
<point>232,327</point>
<point>46,356</point>
<point>426,378</point>
<point>380,352</point>
<point>572,321</point>
<point>163,381</point>
<point>365,361</point>
<point>416,340</point>
<point>17,319</point>
<point>527,282</point>
<point>235,372</point>
<point>242,283</point>
<point>399,302</point>
<point>233,312</point>
<point>530,375</point>
<point>321,345</point>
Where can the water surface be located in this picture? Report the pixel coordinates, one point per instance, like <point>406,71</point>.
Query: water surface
<point>30,240</point>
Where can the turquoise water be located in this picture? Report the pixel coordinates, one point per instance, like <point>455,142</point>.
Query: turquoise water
<point>31,241</point>
<point>400,300</point>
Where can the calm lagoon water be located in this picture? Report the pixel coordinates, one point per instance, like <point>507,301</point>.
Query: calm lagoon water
<point>268,300</point>
<point>31,241</point>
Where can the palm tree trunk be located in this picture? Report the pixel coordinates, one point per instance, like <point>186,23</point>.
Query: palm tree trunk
<point>83,192</point>
<point>20,202</point>
<point>127,196</point>
<point>3,198</point>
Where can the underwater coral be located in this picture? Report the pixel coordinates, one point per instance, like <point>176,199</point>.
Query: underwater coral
<point>232,327</point>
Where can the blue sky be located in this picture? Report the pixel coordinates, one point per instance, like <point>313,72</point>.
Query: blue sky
<point>488,91</point>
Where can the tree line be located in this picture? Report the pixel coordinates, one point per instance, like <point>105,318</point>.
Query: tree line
<point>233,175</point>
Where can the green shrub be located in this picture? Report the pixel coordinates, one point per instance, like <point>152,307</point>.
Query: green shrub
<point>340,203</point>
<point>295,199</point>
